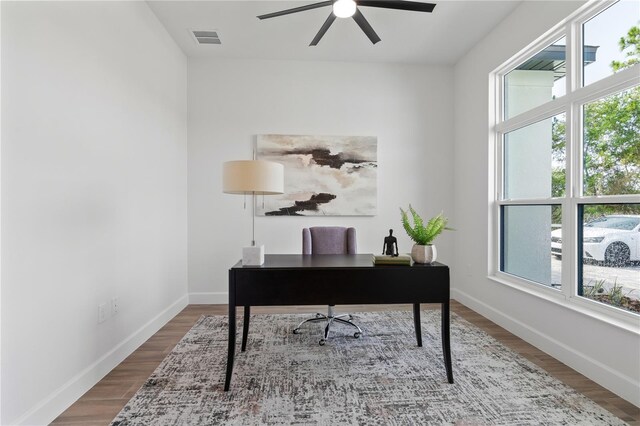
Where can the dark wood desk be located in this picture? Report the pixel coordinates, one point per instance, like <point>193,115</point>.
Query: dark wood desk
<point>289,279</point>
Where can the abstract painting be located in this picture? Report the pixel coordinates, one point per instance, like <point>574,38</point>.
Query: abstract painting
<point>323,175</point>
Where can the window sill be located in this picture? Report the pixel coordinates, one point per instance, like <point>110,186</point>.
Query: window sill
<point>612,316</point>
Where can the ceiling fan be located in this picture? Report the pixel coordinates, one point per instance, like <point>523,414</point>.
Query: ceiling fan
<point>349,8</point>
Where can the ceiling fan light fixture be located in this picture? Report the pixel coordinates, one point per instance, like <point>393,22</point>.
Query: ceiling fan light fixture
<point>344,8</point>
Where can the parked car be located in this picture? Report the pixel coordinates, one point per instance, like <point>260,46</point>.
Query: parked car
<point>612,239</point>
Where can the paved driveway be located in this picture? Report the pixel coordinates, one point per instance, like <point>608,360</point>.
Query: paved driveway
<point>627,276</point>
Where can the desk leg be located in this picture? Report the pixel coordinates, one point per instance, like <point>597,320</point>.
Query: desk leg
<point>416,323</point>
<point>446,346</point>
<point>232,343</point>
<point>245,327</point>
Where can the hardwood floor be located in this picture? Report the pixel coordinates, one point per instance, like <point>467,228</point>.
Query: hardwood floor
<point>102,402</point>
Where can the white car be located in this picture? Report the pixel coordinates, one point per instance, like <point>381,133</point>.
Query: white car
<point>612,239</point>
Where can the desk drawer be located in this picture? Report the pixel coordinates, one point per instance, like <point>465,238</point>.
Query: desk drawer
<point>262,287</point>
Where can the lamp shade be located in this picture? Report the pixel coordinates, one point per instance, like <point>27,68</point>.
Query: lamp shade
<point>253,177</point>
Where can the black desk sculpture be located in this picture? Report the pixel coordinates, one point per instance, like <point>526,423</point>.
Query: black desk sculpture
<point>390,243</point>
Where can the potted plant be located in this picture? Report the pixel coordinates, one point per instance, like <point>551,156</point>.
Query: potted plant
<point>423,251</point>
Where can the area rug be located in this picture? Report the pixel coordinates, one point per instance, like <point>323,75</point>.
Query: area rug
<point>383,378</point>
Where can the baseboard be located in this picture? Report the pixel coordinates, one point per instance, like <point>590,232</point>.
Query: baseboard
<point>621,385</point>
<point>213,298</point>
<point>52,406</point>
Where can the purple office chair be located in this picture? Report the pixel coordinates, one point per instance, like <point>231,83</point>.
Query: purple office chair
<point>320,240</point>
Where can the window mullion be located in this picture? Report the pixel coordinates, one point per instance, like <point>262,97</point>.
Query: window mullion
<point>497,188</point>
<point>571,57</point>
<point>577,163</point>
<point>569,282</point>
<point>574,174</point>
<point>571,153</point>
<point>500,104</point>
<point>618,82</point>
<point>574,151</point>
<point>499,183</point>
<point>531,202</point>
<point>610,199</point>
<point>574,117</point>
<point>573,54</point>
<point>549,109</point>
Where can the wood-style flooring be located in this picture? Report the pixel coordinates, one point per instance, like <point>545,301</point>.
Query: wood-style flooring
<point>102,402</point>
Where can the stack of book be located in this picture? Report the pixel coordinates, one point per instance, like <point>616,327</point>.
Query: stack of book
<point>403,259</point>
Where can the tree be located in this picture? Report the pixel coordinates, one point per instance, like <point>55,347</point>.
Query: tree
<point>558,171</point>
<point>611,145</point>
<point>612,133</point>
<point>558,174</point>
<point>632,42</point>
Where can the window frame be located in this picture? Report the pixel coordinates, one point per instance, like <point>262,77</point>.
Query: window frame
<point>576,96</point>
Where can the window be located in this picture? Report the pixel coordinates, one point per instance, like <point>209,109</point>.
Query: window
<point>567,169</point>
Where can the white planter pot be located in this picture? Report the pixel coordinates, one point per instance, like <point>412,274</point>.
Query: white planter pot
<point>424,254</point>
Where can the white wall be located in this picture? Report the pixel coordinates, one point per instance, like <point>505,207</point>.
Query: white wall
<point>604,353</point>
<point>94,156</point>
<point>409,109</point>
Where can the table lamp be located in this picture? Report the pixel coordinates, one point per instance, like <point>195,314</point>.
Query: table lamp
<point>255,177</point>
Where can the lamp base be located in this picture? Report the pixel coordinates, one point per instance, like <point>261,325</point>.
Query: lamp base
<point>253,255</point>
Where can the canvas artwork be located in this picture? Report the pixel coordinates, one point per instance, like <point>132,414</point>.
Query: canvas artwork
<point>323,175</point>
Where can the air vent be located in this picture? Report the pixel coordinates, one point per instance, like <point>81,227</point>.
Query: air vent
<point>206,37</point>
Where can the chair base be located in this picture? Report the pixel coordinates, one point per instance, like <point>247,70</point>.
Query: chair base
<point>330,318</point>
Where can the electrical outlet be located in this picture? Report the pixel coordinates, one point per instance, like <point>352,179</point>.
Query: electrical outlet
<point>102,312</point>
<point>115,305</point>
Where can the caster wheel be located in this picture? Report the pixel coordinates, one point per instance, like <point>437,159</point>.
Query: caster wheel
<point>357,334</point>
<point>296,331</point>
<point>318,315</point>
<point>321,342</point>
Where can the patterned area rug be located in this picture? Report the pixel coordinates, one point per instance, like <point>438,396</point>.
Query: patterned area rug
<point>382,378</point>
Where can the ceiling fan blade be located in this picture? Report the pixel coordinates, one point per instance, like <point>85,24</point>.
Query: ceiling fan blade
<point>398,4</point>
<point>365,26</point>
<point>296,9</point>
<point>323,29</point>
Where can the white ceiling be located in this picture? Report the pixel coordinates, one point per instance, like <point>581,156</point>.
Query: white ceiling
<point>441,37</point>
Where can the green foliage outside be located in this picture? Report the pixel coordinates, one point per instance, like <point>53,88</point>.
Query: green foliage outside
<point>631,43</point>
<point>614,296</point>
<point>594,211</point>
<point>420,233</point>
<point>611,155</point>
<point>612,144</point>
<point>558,175</point>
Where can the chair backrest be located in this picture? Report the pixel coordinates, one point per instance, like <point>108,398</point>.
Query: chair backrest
<point>329,240</point>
